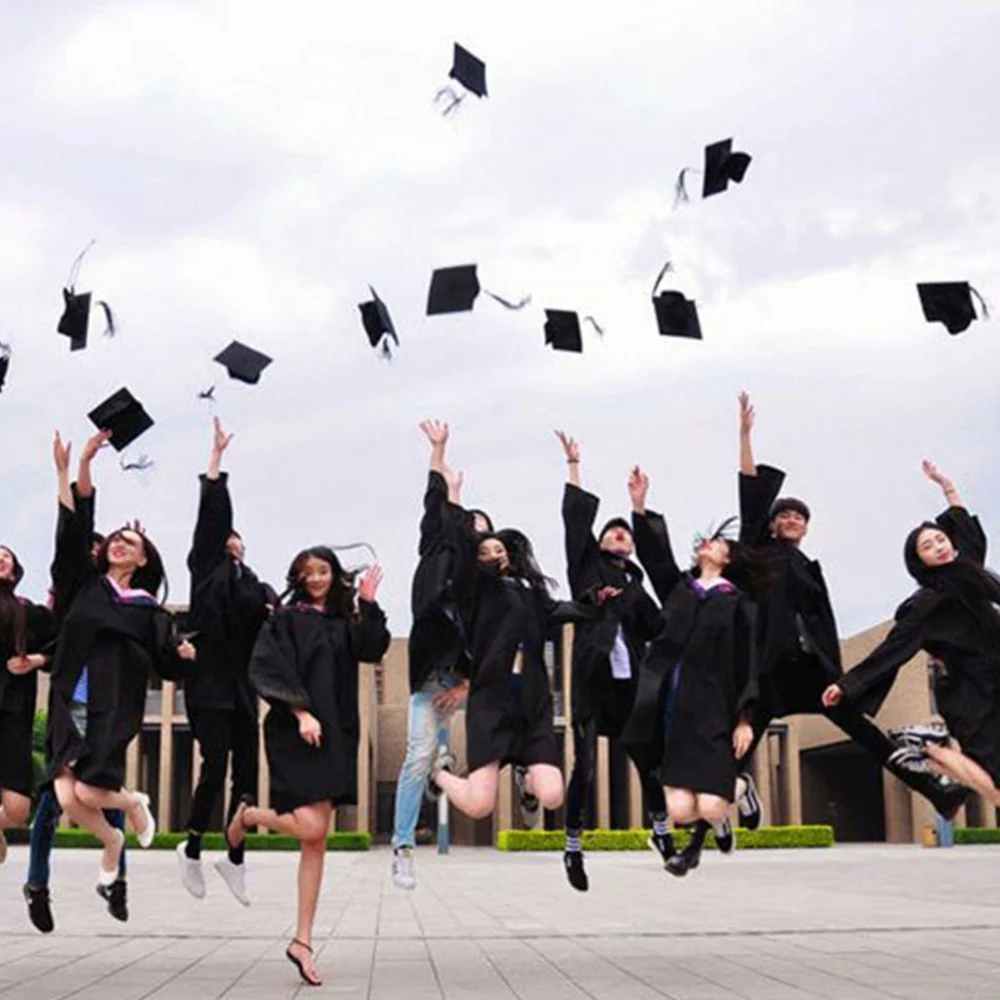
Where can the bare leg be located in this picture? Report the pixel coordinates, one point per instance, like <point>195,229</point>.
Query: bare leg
<point>104,798</point>
<point>307,823</point>
<point>712,808</point>
<point>682,805</point>
<point>90,819</point>
<point>545,782</point>
<point>964,770</point>
<point>475,795</point>
<point>311,858</point>
<point>14,808</point>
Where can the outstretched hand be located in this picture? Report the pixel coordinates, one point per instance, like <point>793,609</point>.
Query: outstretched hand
<point>370,583</point>
<point>746,414</point>
<point>94,444</point>
<point>742,739</point>
<point>455,480</point>
<point>436,432</point>
<point>60,453</point>
<point>570,446</point>
<point>833,696</point>
<point>220,439</point>
<point>935,476</point>
<point>638,489</point>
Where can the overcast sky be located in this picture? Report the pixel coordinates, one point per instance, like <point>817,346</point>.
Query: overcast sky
<point>248,168</point>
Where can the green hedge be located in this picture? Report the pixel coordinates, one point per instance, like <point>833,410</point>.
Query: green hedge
<point>342,840</point>
<point>636,840</point>
<point>977,835</point>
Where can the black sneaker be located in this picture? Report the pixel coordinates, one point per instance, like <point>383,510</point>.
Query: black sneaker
<point>749,807</point>
<point>663,844</point>
<point>529,803</point>
<point>921,735</point>
<point>680,864</point>
<point>39,907</point>
<point>948,798</point>
<point>116,896</point>
<point>442,762</point>
<point>724,839</point>
<point>909,759</point>
<point>575,872</point>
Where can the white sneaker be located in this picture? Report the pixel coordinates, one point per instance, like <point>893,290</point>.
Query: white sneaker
<point>235,877</point>
<point>149,825</point>
<point>404,875</point>
<point>192,875</point>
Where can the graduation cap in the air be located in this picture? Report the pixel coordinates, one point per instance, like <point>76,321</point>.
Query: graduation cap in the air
<point>470,72</point>
<point>950,302</point>
<point>676,316</point>
<point>722,165</point>
<point>123,415</point>
<point>562,331</point>
<point>378,324</point>
<point>75,320</point>
<point>243,363</point>
<point>454,289</point>
<point>4,363</point>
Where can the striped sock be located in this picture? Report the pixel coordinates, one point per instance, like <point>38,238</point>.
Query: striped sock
<point>573,841</point>
<point>660,825</point>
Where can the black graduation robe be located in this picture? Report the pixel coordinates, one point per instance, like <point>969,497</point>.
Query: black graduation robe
<point>18,693</point>
<point>711,638</point>
<point>968,693</point>
<point>119,639</point>
<point>227,608</point>
<point>307,658</point>
<point>596,692</point>
<point>799,652</point>
<point>437,638</point>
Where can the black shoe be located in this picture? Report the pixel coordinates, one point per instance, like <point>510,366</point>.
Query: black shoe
<point>680,864</point>
<point>919,736</point>
<point>116,896</point>
<point>724,837</point>
<point>948,798</point>
<point>749,807</point>
<point>529,803</point>
<point>575,872</point>
<point>663,844</point>
<point>39,907</point>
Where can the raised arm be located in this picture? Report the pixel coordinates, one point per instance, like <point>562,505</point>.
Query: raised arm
<point>84,480</point>
<point>60,454</point>
<point>652,540</point>
<point>437,433</point>
<point>572,451</point>
<point>215,509</point>
<point>579,510</point>
<point>963,528</point>
<point>747,465</point>
<point>370,637</point>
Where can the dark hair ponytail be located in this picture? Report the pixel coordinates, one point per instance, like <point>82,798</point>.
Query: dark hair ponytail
<point>13,621</point>
<point>150,577</point>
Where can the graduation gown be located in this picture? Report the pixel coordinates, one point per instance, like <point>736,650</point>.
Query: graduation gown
<point>509,716</point>
<point>966,643</point>
<point>596,693</point>
<point>799,652</point>
<point>18,693</point>
<point>437,638</point>
<point>307,658</point>
<point>710,636</point>
<point>227,608</point>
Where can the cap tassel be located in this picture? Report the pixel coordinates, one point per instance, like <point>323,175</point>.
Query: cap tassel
<point>208,394</point>
<point>598,329</point>
<point>681,195</point>
<point>454,99</point>
<point>110,325</point>
<point>668,267</point>
<point>5,353</point>
<point>982,302</point>
<point>74,271</point>
<point>385,351</point>
<point>140,465</point>
<point>506,303</point>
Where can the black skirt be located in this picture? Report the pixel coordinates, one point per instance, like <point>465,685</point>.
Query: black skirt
<point>511,723</point>
<point>16,771</point>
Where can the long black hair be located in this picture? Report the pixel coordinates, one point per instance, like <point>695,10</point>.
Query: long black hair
<point>340,599</point>
<point>150,577</point>
<point>747,569</point>
<point>521,556</point>
<point>13,622</point>
<point>963,578</point>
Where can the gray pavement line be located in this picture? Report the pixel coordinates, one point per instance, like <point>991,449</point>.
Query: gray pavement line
<point>736,960</point>
<point>567,975</point>
<point>493,965</point>
<point>686,964</point>
<point>371,966</point>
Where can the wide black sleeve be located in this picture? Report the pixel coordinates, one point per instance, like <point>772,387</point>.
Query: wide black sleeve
<point>757,494</point>
<point>370,636</point>
<point>71,564</point>
<point>647,616</point>
<point>652,546</point>
<point>746,658</point>
<point>965,531</point>
<point>902,643</point>
<point>579,511</point>
<point>434,520</point>
<point>166,662</point>
<point>213,527</point>
<point>274,664</point>
<point>560,612</point>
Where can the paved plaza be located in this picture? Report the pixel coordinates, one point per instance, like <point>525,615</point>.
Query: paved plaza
<point>851,923</point>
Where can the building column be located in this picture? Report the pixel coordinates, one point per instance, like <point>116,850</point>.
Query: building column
<point>567,678</point>
<point>163,818</point>
<point>636,819</point>
<point>263,775</point>
<point>792,777</point>
<point>602,780</point>
<point>503,814</point>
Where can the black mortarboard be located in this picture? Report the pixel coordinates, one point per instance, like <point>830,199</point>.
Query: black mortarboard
<point>950,302</point>
<point>75,318</point>
<point>454,289</point>
<point>4,363</point>
<point>722,165</point>
<point>562,330</point>
<point>243,363</point>
<point>676,316</point>
<point>123,415</point>
<point>378,323</point>
<point>469,71</point>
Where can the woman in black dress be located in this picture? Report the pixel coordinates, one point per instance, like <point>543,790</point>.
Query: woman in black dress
<point>951,617</point>
<point>26,629</point>
<point>509,715</point>
<point>305,665</point>
<point>698,681</point>
<point>117,631</point>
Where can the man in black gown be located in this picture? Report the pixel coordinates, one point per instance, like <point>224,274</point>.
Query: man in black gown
<point>798,645</point>
<point>228,606</point>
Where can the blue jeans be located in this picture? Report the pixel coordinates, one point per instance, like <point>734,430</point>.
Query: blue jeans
<point>43,829</point>
<point>425,730</point>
